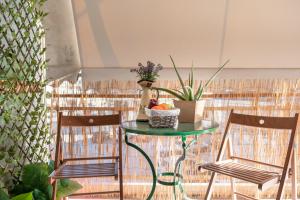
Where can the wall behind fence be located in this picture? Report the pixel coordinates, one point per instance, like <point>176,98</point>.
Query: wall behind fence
<point>261,97</point>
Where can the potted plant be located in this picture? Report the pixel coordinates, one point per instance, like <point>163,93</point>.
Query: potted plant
<point>147,75</point>
<point>189,97</point>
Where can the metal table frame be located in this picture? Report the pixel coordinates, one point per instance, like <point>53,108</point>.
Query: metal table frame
<point>183,131</point>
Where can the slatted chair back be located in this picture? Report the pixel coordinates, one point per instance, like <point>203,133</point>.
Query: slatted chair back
<point>280,123</point>
<point>83,121</point>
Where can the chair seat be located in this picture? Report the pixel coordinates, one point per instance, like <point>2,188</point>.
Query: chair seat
<point>262,178</point>
<point>86,170</point>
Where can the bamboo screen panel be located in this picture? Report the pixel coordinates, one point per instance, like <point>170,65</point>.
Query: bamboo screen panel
<point>261,97</point>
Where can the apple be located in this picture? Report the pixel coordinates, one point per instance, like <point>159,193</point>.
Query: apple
<point>152,103</point>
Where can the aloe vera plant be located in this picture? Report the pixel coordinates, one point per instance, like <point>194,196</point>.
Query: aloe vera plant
<point>188,92</point>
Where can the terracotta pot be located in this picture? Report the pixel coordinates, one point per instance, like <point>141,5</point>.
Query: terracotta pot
<point>190,111</point>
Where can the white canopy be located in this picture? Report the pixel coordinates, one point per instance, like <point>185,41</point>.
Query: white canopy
<point>61,40</point>
<point>121,33</point>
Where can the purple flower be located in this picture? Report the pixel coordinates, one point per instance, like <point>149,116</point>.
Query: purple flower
<point>148,72</point>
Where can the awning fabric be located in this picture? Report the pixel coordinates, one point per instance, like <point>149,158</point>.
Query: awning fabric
<point>119,34</point>
<point>61,41</point>
<point>252,33</point>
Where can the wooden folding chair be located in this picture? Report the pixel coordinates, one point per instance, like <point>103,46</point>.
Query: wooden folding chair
<point>62,167</point>
<point>263,178</point>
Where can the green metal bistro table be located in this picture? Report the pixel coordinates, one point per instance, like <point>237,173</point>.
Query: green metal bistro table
<point>183,130</point>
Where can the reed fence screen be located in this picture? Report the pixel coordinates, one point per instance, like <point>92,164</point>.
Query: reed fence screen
<point>261,97</point>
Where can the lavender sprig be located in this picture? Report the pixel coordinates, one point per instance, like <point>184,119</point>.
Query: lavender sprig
<point>148,72</point>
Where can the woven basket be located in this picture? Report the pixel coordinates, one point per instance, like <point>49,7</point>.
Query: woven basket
<point>162,118</point>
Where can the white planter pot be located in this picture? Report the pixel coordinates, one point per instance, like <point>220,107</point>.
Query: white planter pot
<point>190,111</point>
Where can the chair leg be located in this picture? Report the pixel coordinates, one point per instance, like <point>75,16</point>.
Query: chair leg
<point>121,189</point>
<point>210,186</point>
<point>281,189</point>
<point>294,176</point>
<point>121,182</point>
<point>285,176</point>
<point>54,188</point>
<point>233,189</point>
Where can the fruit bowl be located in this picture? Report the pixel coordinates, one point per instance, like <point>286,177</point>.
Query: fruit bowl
<point>162,118</point>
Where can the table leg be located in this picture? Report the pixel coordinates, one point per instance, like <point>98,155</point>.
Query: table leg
<point>178,167</point>
<point>149,162</point>
<point>177,170</point>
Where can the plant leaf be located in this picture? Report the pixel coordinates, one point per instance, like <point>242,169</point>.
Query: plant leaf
<point>199,92</point>
<point>39,195</point>
<point>26,196</point>
<point>174,93</point>
<point>35,176</point>
<point>50,166</point>
<point>215,74</point>
<point>180,92</point>
<point>67,188</point>
<point>191,93</point>
<point>192,76</point>
<point>179,77</point>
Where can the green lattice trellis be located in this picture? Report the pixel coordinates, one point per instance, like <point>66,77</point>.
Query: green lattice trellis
<point>23,129</point>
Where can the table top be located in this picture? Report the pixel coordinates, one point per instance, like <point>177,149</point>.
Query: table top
<point>183,129</point>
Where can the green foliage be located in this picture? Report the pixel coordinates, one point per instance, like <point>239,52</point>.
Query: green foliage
<point>3,195</point>
<point>24,132</point>
<point>26,196</point>
<point>35,176</point>
<point>39,195</point>
<point>189,92</point>
<point>67,187</point>
<point>35,180</point>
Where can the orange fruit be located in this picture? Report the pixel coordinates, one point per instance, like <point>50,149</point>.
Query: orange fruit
<point>157,108</point>
<point>164,106</point>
